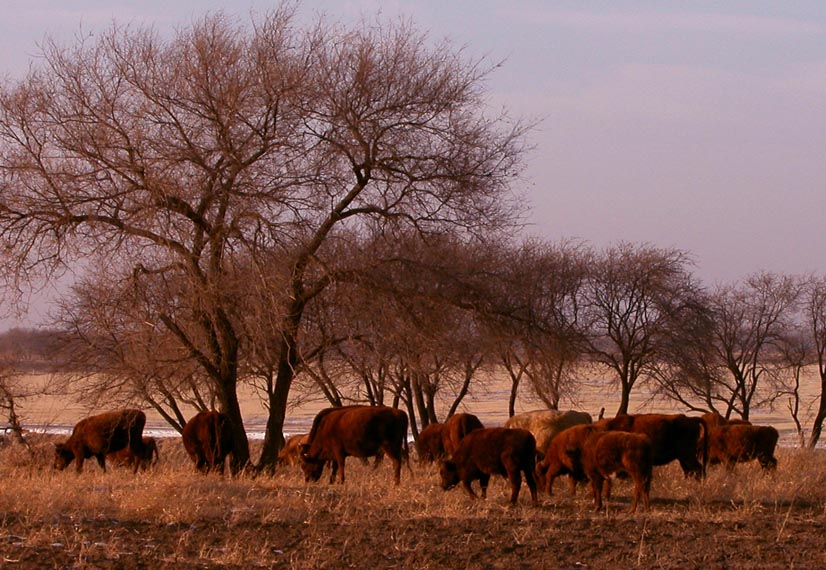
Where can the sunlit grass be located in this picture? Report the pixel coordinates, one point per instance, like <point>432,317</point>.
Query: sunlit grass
<point>46,508</point>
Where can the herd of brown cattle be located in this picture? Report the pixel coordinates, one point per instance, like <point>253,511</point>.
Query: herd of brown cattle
<point>540,446</point>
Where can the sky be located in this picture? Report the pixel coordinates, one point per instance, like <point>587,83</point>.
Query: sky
<point>692,125</point>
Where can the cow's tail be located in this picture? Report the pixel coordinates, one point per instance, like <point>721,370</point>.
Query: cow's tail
<point>704,450</point>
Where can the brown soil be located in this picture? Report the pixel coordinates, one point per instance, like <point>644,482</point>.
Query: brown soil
<point>174,518</point>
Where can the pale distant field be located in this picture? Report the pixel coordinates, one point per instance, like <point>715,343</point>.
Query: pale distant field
<point>489,402</point>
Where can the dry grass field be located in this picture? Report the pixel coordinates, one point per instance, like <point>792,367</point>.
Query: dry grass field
<point>171,517</point>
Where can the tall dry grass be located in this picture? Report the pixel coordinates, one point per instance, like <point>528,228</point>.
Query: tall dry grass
<point>173,516</point>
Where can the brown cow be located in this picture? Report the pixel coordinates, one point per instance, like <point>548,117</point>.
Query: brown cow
<point>493,451</point>
<point>290,454</point>
<point>127,458</point>
<point>559,459</point>
<point>737,443</point>
<point>96,436</point>
<point>429,446</point>
<point>360,431</point>
<point>457,427</point>
<point>673,437</point>
<point>208,440</point>
<point>609,452</point>
<point>545,424</point>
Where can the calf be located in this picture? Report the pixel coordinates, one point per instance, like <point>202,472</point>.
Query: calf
<point>735,443</point>
<point>208,440</point>
<point>559,457</point>
<point>429,446</point>
<point>457,427</point>
<point>493,451</point>
<point>360,431</point>
<point>290,454</point>
<point>127,458</point>
<point>96,436</point>
<point>606,453</point>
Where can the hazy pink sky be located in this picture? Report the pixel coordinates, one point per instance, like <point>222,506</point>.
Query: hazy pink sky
<point>696,125</point>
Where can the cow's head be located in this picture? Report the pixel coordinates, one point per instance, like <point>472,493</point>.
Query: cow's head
<point>62,456</point>
<point>449,473</point>
<point>312,466</point>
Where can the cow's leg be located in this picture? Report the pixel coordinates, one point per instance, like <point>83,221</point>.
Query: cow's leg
<point>691,467</point>
<point>572,484</point>
<point>466,486</point>
<point>646,491</point>
<point>101,461</point>
<point>768,463</point>
<point>333,471</point>
<point>397,468</point>
<point>637,491</point>
<point>607,485</point>
<point>515,478</point>
<point>79,459</point>
<point>549,482</point>
<point>596,490</point>
<point>484,479</point>
<point>529,478</point>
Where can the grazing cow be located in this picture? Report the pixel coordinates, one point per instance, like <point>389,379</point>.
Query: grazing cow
<point>673,436</point>
<point>737,443</point>
<point>208,440</point>
<point>493,451</point>
<point>607,452</point>
<point>429,446</point>
<point>360,431</point>
<point>96,436</point>
<point>545,424</point>
<point>127,458</point>
<point>457,427</point>
<point>290,454</point>
<point>559,457</point>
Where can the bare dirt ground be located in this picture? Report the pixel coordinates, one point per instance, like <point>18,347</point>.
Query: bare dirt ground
<point>172,517</point>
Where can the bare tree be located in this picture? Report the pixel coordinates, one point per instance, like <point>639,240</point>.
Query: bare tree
<point>752,319</point>
<point>795,350</point>
<point>814,321</point>
<point>185,158</point>
<point>543,332</point>
<point>635,298</point>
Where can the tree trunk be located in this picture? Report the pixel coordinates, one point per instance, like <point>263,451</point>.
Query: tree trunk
<point>625,397</point>
<point>287,362</point>
<point>817,425</point>
<point>228,397</point>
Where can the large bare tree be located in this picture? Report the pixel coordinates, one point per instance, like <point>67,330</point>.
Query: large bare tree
<point>186,159</point>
